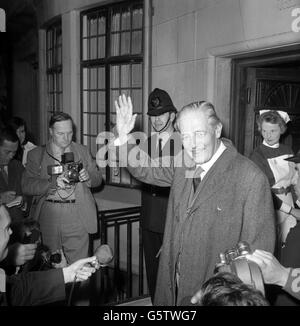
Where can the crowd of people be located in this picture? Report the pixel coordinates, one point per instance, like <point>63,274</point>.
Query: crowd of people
<point>199,198</point>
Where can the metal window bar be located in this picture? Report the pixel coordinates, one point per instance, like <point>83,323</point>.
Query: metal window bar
<point>104,288</point>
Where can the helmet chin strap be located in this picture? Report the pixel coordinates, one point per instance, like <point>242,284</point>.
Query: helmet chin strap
<point>165,126</point>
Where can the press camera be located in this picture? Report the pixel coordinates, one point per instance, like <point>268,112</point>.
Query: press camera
<point>44,258</point>
<point>234,261</point>
<point>68,168</point>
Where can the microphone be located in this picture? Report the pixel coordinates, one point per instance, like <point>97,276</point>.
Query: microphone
<point>104,255</point>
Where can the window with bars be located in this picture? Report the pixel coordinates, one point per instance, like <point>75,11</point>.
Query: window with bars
<point>111,65</point>
<point>54,68</point>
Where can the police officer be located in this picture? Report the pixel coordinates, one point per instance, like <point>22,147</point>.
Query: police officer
<point>162,115</point>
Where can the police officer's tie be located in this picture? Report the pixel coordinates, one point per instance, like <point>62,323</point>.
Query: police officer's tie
<point>197,178</point>
<point>160,151</point>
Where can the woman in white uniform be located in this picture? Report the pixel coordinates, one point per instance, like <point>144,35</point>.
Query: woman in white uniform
<point>271,157</point>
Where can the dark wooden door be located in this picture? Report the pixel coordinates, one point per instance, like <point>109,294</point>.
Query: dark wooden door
<point>271,89</point>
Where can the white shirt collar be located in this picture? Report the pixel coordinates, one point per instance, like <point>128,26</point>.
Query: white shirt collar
<point>206,166</point>
<point>272,146</point>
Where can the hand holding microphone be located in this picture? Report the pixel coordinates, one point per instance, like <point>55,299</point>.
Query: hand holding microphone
<point>104,256</point>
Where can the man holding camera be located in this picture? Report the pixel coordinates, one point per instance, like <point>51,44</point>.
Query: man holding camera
<point>60,176</point>
<point>37,288</point>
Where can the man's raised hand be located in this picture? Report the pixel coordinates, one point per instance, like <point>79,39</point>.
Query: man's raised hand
<point>125,118</point>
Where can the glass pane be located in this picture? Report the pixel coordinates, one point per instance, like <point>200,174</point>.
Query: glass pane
<point>101,101</point>
<point>114,77</point>
<point>101,78</point>
<point>115,24</point>
<point>125,76</point>
<point>54,83</point>
<point>85,124</point>
<point>101,123</point>
<point>137,18</point>
<point>136,42</point>
<point>94,128</point>
<point>84,26</point>
<point>126,20</point>
<point>93,107</point>
<point>85,78</point>
<point>137,75</point>
<point>88,102</point>
<point>114,97</point>
<point>115,44</point>
<point>137,100</point>
<point>85,101</point>
<point>101,47</point>
<point>93,26</point>
<point>93,48</point>
<point>93,78</point>
<point>84,49</point>
<point>125,43</point>
<point>85,140</point>
<point>101,25</point>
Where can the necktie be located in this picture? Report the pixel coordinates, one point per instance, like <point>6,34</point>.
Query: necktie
<point>197,178</point>
<point>160,151</point>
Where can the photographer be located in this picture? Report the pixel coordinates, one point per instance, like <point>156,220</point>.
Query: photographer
<point>36,288</point>
<point>60,176</point>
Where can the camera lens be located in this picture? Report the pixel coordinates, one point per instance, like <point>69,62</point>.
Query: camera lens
<point>55,258</point>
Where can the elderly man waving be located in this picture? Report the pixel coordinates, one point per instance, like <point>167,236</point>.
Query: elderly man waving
<point>231,203</point>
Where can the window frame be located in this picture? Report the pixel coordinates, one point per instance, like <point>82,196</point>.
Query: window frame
<point>107,62</point>
<point>54,92</point>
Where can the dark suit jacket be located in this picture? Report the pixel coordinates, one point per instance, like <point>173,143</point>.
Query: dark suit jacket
<point>34,288</point>
<point>36,182</point>
<point>15,170</point>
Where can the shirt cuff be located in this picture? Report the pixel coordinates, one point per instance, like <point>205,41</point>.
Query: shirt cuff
<point>286,208</point>
<point>293,282</point>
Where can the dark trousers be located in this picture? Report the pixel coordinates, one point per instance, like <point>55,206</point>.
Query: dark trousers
<point>290,257</point>
<point>152,242</point>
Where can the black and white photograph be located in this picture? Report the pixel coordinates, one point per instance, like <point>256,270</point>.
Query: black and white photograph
<point>149,156</point>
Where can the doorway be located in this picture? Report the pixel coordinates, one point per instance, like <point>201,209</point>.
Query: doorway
<point>270,82</point>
